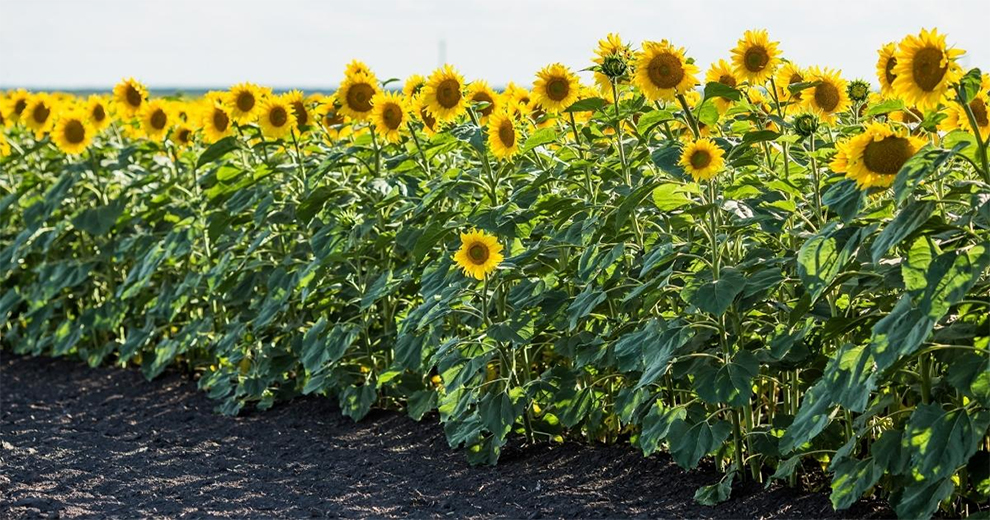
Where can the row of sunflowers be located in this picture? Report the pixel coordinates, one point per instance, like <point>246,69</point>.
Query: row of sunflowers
<point>770,266</point>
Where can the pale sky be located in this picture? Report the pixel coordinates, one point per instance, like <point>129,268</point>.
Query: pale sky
<point>306,43</point>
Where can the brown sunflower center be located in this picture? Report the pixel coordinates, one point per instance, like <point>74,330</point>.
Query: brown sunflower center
<point>133,96</point>
<point>449,93</point>
<point>979,108</point>
<point>756,58</point>
<point>98,113</point>
<point>888,70</point>
<point>483,97</point>
<point>74,132</point>
<point>245,101</point>
<point>700,159</point>
<point>392,116</point>
<point>665,70</point>
<point>887,155</point>
<point>927,68</point>
<point>727,79</point>
<point>278,116</point>
<point>359,97</point>
<point>558,88</point>
<point>302,118</point>
<point>478,253</point>
<point>428,119</point>
<point>40,113</point>
<point>19,106</point>
<point>506,133</point>
<point>220,120</point>
<point>827,96</point>
<point>795,78</point>
<point>332,118</point>
<point>184,135</point>
<point>158,119</point>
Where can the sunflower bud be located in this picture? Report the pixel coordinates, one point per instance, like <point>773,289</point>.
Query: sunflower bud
<point>858,90</point>
<point>805,125</point>
<point>614,66</point>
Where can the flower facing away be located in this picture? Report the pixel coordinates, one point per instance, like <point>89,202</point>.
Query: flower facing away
<point>479,255</point>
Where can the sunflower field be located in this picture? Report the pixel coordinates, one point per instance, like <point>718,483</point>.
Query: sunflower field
<point>762,264</point>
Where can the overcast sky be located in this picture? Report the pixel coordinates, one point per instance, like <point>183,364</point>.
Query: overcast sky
<point>306,43</point>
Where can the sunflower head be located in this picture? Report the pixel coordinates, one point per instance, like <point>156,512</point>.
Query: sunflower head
<point>479,254</point>
<point>390,115</point>
<point>858,90</point>
<point>662,71</point>
<point>422,113</point>
<point>182,135</point>
<point>614,60</point>
<point>805,125</point>
<point>721,72</point>
<point>72,133</point>
<point>503,135</point>
<point>275,117</point>
<point>98,112</point>
<point>925,68</point>
<point>829,96</point>
<point>129,96</point>
<point>355,95</point>
<point>39,115</point>
<point>301,109</point>
<point>214,119</point>
<point>885,68</point>
<point>755,57</point>
<point>873,158</point>
<point>555,88</point>
<point>156,118</point>
<point>4,146</point>
<point>356,67</point>
<point>478,92</point>
<point>243,101</point>
<point>702,159</point>
<point>443,94</point>
<point>958,119</point>
<point>413,85</point>
<point>13,106</point>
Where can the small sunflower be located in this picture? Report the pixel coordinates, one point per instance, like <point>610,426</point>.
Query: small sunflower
<point>555,88</point>
<point>480,92</point>
<point>479,254</point>
<point>39,115</point>
<point>182,135</point>
<point>356,67</point>
<point>4,146</point>
<point>789,74</point>
<point>130,96</point>
<point>430,124</point>
<point>702,159</point>
<point>503,135</point>
<point>13,106</point>
<point>829,97</point>
<point>355,95</point>
<point>443,94</point>
<point>334,124</point>
<point>300,109</point>
<point>611,48</point>
<point>215,120</point>
<point>275,117</point>
<point>721,72</point>
<point>98,112</point>
<point>957,119</point>
<point>885,68</point>
<point>925,68</point>
<point>413,85</point>
<point>662,71</point>
<point>874,157</point>
<point>156,119</point>
<point>516,99</point>
<point>390,115</point>
<point>755,57</point>
<point>72,133</point>
<point>243,101</point>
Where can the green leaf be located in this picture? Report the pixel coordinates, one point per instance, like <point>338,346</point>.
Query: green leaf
<point>669,197</point>
<point>731,383</point>
<point>217,150</point>
<point>852,478</point>
<point>714,296</point>
<point>909,219</point>
<point>656,425</point>
<point>939,441</point>
<point>785,469</point>
<point>313,203</point>
<point>885,107</point>
<point>356,401</point>
<point>717,493</point>
<point>583,304</point>
<point>824,255</point>
<point>586,105</point>
<point>950,276</point>
<point>845,199</point>
<point>576,409</point>
<point>498,413</point>
<point>314,352</point>
<point>970,374</point>
<point>657,355</point>
<point>919,167</point>
<point>914,269</point>
<point>539,138</point>
<point>99,221</point>
<point>716,89</point>
<point>690,442</point>
<point>921,499</point>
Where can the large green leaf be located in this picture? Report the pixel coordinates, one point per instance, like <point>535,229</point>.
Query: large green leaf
<point>730,383</point>
<point>690,442</point>
<point>824,255</point>
<point>940,440</point>
<point>711,295</point>
<point>909,219</point>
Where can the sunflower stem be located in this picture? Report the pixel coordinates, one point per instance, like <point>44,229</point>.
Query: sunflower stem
<point>299,162</point>
<point>689,116</point>
<point>981,145</point>
<point>419,148</point>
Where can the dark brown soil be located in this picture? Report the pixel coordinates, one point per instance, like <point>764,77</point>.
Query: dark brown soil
<point>106,443</point>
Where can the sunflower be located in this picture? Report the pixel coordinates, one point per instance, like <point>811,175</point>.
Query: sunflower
<point>129,95</point>
<point>443,94</point>
<point>662,71</point>
<point>430,124</point>
<point>829,96</point>
<point>243,101</point>
<point>390,115</point>
<point>13,106</point>
<point>790,74</point>
<point>957,119</point>
<point>874,157</point>
<point>924,69</point>
<point>355,95</point>
<point>4,146</point>
<point>275,117</point>
<point>885,68</point>
<point>156,119</point>
<point>555,88</point>
<point>516,99</point>
<point>479,254</point>
<point>300,109</point>
<point>414,84</point>
<point>182,135</point>
<point>755,57</point>
<point>356,67</point>
<point>72,133</point>
<point>721,72</point>
<point>702,159</point>
<point>98,112</point>
<point>503,135</point>
<point>39,115</point>
<point>480,92</point>
<point>610,47</point>
<point>214,119</point>
<point>333,122</point>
